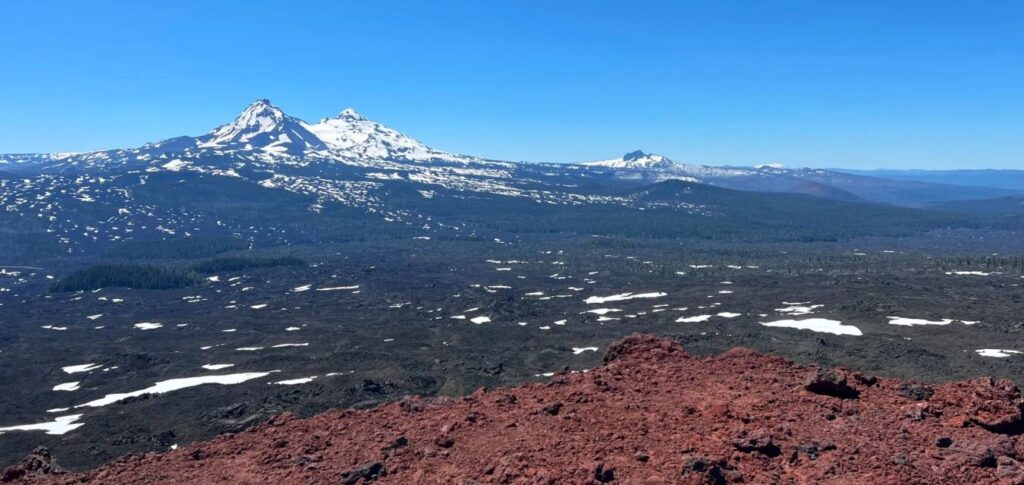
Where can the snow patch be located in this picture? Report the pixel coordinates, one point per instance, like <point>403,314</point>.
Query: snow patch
<point>72,369</point>
<point>292,382</point>
<point>909,322</point>
<point>821,325</point>
<point>171,385</point>
<point>622,297</point>
<point>1000,353</point>
<point>67,386</point>
<point>58,426</point>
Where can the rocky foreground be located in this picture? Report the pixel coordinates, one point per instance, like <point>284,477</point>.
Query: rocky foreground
<point>651,413</point>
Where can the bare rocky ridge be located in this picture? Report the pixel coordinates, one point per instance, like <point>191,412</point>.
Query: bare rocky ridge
<point>650,413</point>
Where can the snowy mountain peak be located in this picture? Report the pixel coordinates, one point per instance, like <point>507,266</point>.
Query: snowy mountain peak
<point>351,114</point>
<point>265,127</point>
<point>636,159</point>
<point>356,135</point>
<point>261,104</point>
<point>635,155</point>
<point>259,117</point>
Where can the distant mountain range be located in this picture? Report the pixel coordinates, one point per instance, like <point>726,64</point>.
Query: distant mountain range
<point>210,183</point>
<point>999,179</point>
<point>833,184</point>
<point>263,136</point>
<point>262,133</point>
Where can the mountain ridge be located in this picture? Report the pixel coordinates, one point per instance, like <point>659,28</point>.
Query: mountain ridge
<point>774,177</point>
<point>351,146</point>
<point>1008,179</point>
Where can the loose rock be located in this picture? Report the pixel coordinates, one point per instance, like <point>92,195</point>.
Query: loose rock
<point>830,382</point>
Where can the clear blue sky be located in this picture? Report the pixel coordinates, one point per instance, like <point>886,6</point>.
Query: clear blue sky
<point>859,84</point>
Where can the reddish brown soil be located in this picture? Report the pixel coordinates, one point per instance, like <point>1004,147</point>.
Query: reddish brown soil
<point>650,414</point>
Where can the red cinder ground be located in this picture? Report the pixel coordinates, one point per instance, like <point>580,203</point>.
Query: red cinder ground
<point>650,414</point>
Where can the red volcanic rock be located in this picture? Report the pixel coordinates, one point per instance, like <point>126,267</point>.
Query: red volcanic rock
<point>994,405</point>
<point>37,464</point>
<point>650,414</point>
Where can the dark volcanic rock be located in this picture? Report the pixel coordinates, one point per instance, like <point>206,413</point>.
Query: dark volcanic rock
<point>759,441</point>
<point>830,382</point>
<point>367,472</point>
<point>916,392</point>
<point>814,449</point>
<point>603,474</point>
<point>399,443</point>
<point>704,470</point>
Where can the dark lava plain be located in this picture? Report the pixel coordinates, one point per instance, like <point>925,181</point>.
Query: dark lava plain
<point>375,322</point>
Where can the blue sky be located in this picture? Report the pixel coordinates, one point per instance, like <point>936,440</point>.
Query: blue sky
<point>866,84</point>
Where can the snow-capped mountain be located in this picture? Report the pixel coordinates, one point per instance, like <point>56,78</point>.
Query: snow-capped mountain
<point>263,135</point>
<point>640,166</point>
<point>356,136</point>
<point>262,126</point>
<point>350,136</point>
<point>649,166</point>
<point>635,160</point>
<point>346,161</point>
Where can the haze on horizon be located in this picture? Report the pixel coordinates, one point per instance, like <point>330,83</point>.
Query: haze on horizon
<point>865,85</point>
